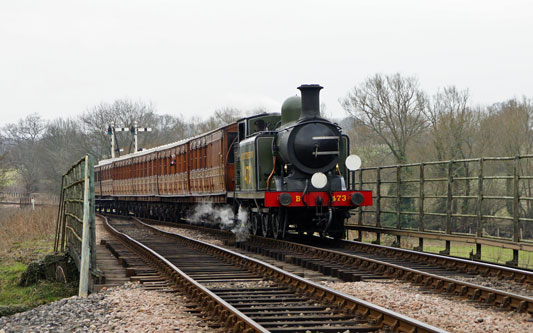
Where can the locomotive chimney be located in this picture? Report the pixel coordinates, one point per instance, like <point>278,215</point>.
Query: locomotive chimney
<point>310,101</point>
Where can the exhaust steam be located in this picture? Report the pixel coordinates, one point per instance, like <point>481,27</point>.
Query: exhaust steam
<point>210,215</point>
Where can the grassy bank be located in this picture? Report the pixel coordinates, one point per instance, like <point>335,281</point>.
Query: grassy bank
<point>27,235</point>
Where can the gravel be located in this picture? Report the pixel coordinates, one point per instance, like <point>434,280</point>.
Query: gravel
<point>199,235</point>
<point>452,314</point>
<point>128,308</point>
<point>240,285</point>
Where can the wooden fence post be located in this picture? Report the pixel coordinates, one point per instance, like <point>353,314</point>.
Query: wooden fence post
<point>378,204</point>
<point>86,236</point>
<point>420,246</point>
<point>360,217</point>
<point>449,197</point>
<point>479,222</point>
<point>398,205</point>
<point>516,209</point>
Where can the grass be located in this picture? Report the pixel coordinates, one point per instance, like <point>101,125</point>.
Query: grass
<point>14,298</point>
<point>24,228</point>
<point>457,249</point>
<point>27,235</point>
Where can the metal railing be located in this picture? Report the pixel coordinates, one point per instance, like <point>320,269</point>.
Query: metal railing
<point>483,201</point>
<point>75,229</point>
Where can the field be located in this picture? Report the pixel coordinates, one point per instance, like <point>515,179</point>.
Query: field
<point>27,235</point>
<point>458,249</point>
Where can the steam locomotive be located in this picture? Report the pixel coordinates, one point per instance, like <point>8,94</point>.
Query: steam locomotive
<point>287,171</point>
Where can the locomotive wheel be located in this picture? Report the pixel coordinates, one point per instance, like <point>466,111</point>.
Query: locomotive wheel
<point>276,226</point>
<point>279,224</point>
<point>265,225</point>
<point>256,222</point>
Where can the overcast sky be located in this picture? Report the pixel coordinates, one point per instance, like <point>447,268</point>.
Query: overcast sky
<point>59,58</point>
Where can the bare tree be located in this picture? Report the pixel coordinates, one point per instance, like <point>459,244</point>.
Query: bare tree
<point>227,115</point>
<point>511,126</point>
<point>123,113</point>
<point>391,106</point>
<point>25,150</point>
<point>453,124</point>
<point>168,129</point>
<point>28,129</point>
<point>62,144</point>
<point>3,169</point>
<point>220,117</point>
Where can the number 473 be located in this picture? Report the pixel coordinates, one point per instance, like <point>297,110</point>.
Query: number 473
<point>339,197</point>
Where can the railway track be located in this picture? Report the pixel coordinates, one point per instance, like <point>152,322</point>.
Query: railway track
<point>352,261</point>
<point>352,267</point>
<point>522,276</point>
<point>247,295</point>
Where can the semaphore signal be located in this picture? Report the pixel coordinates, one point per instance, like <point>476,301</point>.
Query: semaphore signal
<point>134,130</point>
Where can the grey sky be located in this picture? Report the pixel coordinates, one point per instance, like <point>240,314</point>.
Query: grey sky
<point>59,58</point>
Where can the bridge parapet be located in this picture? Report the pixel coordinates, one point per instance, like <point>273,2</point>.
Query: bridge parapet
<point>482,201</point>
<point>75,229</point>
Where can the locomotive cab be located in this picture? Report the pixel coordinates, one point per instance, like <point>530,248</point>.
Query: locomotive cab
<point>252,129</point>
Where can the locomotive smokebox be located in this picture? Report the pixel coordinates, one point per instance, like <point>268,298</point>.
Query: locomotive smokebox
<point>312,144</point>
<point>310,101</point>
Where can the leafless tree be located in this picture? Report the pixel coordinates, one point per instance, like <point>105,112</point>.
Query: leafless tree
<point>511,126</point>
<point>62,144</point>
<point>3,170</point>
<point>28,129</point>
<point>123,113</point>
<point>220,117</point>
<point>23,153</point>
<point>168,129</point>
<point>453,124</point>
<point>391,106</point>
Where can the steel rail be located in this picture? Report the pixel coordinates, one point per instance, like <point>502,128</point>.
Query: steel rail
<point>440,283</point>
<point>349,304</point>
<point>460,264</point>
<point>233,318</point>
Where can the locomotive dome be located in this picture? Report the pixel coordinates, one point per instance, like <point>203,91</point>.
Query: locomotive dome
<point>291,109</point>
